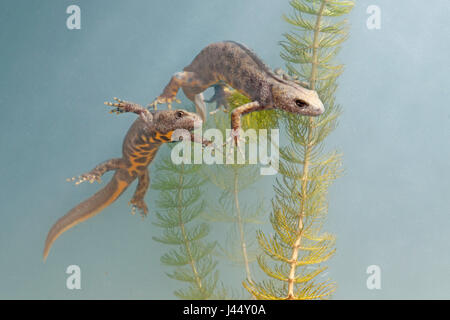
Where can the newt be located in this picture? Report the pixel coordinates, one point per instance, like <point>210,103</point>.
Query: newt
<point>143,140</point>
<point>239,67</point>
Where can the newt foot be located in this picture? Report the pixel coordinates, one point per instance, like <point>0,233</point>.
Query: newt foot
<point>91,177</point>
<point>138,205</point>
<point>163,100</point>
<point>225,110</point>
<point>123,106</point>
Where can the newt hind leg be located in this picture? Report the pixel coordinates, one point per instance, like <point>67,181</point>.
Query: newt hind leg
<point>185,80</point>
<point>137,201</point>
<point>96,173</point>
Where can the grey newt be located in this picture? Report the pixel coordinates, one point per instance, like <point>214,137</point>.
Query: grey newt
<point>239,67</point>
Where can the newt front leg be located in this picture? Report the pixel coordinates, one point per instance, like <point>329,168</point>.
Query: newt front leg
<point>123,106</point>
<point>236,117</point>
<point>191,83</point>
<point>169,94</point>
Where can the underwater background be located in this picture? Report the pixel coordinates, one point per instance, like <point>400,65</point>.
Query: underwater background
<point>390,208</point>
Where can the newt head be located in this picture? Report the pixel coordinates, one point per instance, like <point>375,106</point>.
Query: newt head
<point>166,121</point>
<point>291,97</point>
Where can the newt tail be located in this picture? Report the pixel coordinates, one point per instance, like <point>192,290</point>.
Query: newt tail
<point>86,209</point>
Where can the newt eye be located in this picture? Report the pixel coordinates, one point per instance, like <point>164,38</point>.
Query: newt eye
<point>301,103</point>
<point>179,114</point>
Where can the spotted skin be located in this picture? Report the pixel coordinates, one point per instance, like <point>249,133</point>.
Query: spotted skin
<point>239,67</point>
<point>146,135</point>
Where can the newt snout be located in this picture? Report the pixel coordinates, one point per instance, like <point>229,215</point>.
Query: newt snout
<point>309,109</point>
<point>316,106</point>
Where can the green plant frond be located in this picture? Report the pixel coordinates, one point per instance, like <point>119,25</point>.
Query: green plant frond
<point>294,43</point>
<point>175,257</point>
<point>203,249</point>
<point>280,271</point>
<point>165,221</point>
<point>163,182</point>
<point>298,21</point>
<point>316,291</point>
<point>320,177</point>
<point>179,205</point>
<point>306,277</point>
<point>220,176</point>
<point>182,274</point>
<point>326,56</point>
<point>304,7</point>
<point>171,221</point>
<point>179,257</point>
<point>340,27</point>
<point>339,7</point>
<point>217,214</point>
<point>318,238</point>
<point>223,293</point>
<point>170,236</point>
<point>263,290</point>
<point>232,251</point>
<point>253,214</point>
<point>324,76</point>
<point>230,180</point>
<point>206,267</point>
<point>315,257</point>
<point>206,291</point>
<point>169,200</point>
<point>223,212</point>
<point>169,166</point>
<point>174,236</point>
<point>281,223</point>
<point>273,248</point>
<point>327,27</point>
<point>178,236</point>
<point>329,119</point>
<point>272,271</point>
<point>306,170</point>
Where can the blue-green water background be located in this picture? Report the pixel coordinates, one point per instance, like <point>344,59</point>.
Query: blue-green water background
<point>390,209</point>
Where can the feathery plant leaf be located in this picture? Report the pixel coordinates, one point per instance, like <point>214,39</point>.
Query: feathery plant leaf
<point>179,205</point>
<point>293,256</point>
<point>231,180</point>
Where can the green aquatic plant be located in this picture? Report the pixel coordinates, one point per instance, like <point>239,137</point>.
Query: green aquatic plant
<point>231,180</point>
<point>264,119</point>
<point>179,205</point>
<point>294,255</point>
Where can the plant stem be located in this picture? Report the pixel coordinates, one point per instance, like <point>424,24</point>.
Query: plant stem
<point>240,226</point>
<point>307,147</point>
<point>198,280</point>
